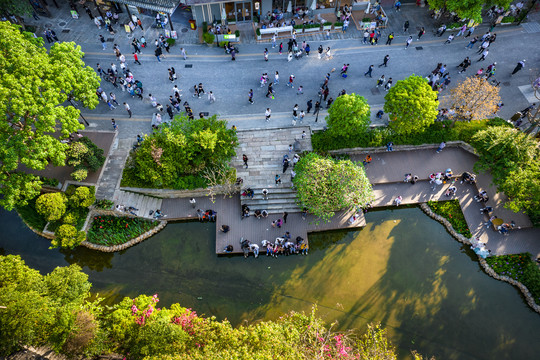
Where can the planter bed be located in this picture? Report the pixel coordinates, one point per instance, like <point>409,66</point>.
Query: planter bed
<point>451,210</point>
<point>114,230</point>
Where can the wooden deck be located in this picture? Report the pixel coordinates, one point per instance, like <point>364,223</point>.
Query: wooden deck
<point>228,213</point>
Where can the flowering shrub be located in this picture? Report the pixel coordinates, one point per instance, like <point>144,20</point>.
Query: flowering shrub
<point>519,267</point>
<point>115,230</point>
<point>451,210</point>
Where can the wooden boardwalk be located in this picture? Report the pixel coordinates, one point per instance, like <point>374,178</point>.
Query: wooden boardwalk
<point>256,230</point>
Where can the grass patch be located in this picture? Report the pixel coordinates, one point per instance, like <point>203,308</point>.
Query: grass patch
<point>29,214</point>
<point>452,212</point>
<point>519,267</point>
<point>115,230</point>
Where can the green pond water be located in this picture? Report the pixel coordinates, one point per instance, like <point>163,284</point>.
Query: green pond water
<point>403,270</point>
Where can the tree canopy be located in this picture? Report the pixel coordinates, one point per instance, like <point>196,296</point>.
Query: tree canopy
<point>53,310</point>
<point>348,115</point>
<point>325,185</point>
<point>34,86</point>
<point>513,158</point>
<point>473,99</point>
<point>15,7</point>
<point>411,105</point>
<point>185,147</point>
<point>467,9</point>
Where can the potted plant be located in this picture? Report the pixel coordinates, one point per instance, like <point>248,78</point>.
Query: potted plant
<point>209,38</point>
<point>231,21</point>
<point>327,26</point>
<point>338,25</point>
<point>312,28</point>
<point>298,28</point>
<point>507,20</point>
<point>258,32</point>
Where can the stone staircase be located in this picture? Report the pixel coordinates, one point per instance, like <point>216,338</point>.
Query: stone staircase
<point>280,199</point>
<point>142,202</point>
<point>265,150</point>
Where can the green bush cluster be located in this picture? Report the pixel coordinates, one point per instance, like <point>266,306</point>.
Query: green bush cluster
<point>84,156</point>
<point>380,136</point>
<point>519,267</point>
<point>208,37</point>
<point>175,155</point>
<point>104,204</point>
<point>52,206</point>
<point>55,309</point>
<point>508,19</point>
<point>67,236</point>
<point>30,215</point>
<point>48,181</point>
<point>115,230</point>
<point>451,211</point>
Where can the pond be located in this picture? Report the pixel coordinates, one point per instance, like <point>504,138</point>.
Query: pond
<point>403,270</point>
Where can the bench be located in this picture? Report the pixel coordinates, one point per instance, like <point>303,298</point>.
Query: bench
<point>276,30</point>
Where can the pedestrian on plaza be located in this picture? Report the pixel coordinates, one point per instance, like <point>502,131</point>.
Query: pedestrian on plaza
<point>274,40</point>
<point>48,36</point>
<point>291,80</point>
<point>285,165</point>
<point>245,160</point>
<point>441,147</point>
<point>250,96</point>
<point>320,51</point>
<point>193,202</point>
<point>329,102</point>
<point>268,114</point>
<point>370,69</point>
<point>102,39</point>
<point>406,27</point>
<point>135,45</point>
<point>317,108</point>
<point>300,90</point>
<point>139,22</point>
<point>112,96</point>
<point>183,52</point>
<point>492,39</point>
<point>115,127</point>
<point>301,116</point>
<point>99,70</point>
<point>265,54</point>
<point>409,41</point>
<point>449,40</point>
<point>388,41</point>
<point>377,37</point>
<point>483,47</point>
<point>462,30</point>
<point>280,48</point>
<point>285,214</point>
<point>484,54</point>
<point>276,78</point>
<point>270,91</point>
<point>385,61</point>
<point>441,30</point>
<point>325,93</point>
<point>277,179</point>
<point>128,109</point>
<point>176,90</point>
<point>470,32</point>
<point>89,12</point>
<point>307,49</point>
<point>211,97</point>
<point>167,46</point>
<point>309,105</point>
<point>136,59</point>
<point>104,97</point>
<point>233,55</point>
<point>472,42</point>
<point>518,67</point>
<point>381,80</point>
<point>420,33</point>
<point>388,84</point>
<point>170,111</point>
<point>158,52</point>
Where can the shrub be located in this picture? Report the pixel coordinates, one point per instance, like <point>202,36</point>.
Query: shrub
<point>338,23</point>
<point>82,197</point>
<point>94,158</point>
<point>104,204</point>
<point>80,174</point>
<point>30,215</point>
<point>51,206</point>
<point>222,43</point>
<point>451,210</point>
<point>76,153</point>
<point>171,41</point>
<point>48,181</point>
<point>237,34</point>
<point>114,230</point>
<point>366,19</point>
<point>208,38</point>
<point>190,182</point>
<point>508,19</point>
<point>67,236</point>
<point>299,26</point>
<point>70,218</point>
<point>258,31</point>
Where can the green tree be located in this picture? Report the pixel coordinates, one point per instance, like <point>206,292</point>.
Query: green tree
<point>34,85</point>
<point>52,206</point>
<point>466,9</point>
<point>326,185</point>
<point>348,116</point>
<point>82,197</point>
<point>67,237</point>
<point>411,105</point>
<point>15,7</point>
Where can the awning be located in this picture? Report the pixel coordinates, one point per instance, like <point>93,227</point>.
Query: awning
<point>166,6</point>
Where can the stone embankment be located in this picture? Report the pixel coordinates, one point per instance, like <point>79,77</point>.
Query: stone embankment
<point>488,269</point>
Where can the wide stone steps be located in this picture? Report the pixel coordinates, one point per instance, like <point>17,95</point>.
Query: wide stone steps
<point>280,199</point>
<point>142,202</point>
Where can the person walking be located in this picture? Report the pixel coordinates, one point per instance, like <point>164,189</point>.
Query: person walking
<point>158,52</point>
<point>421,33</point>
<point>102,39</point>
<point>183,52</point>
<point>518,67</point>
<point>280,48</point>
<point>245,160</point>
<point>388,41</point>
<point>193,202</point>
<point>115,127</point>
<point>285,214</point>
<point>470,32</point>
<point>471,43</point>
<point>170,112</point>
<point>484,55</point>
<point>381,80</point>
<point>270,91</point>
<point>385,61</point>
<point>368,72</point>
<point>449,40</point>
<point>317,108</point>
<point>276,78</point>
<point>274,40</point>
<point>128,109</point>
<point>291,80</point>
<point>388,85</point>
<point>309,105</point>
<point>136,59</point>
<point>441,147</point>
<point>135,45</point>
<point>268,114</point>
<point>409,41</point>
<point>112,96</point>
<point>265,54</point>
<point>211,97</point>
<point>406,27</point>
<point>111,106</point>
<point>250,96</point>
<point>320,51</point>
<point>462,30</point>
<point>233,55</point>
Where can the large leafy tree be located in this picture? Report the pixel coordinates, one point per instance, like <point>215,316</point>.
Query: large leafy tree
<point>15,7</point>
<point>466,9</point>
<point>348,115</point>
<point>34,86</point>
<point>326,185</point>
<point>473,99</point>
<point>184,147</point>
<point>514,161</point>
<point>411,105</point>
